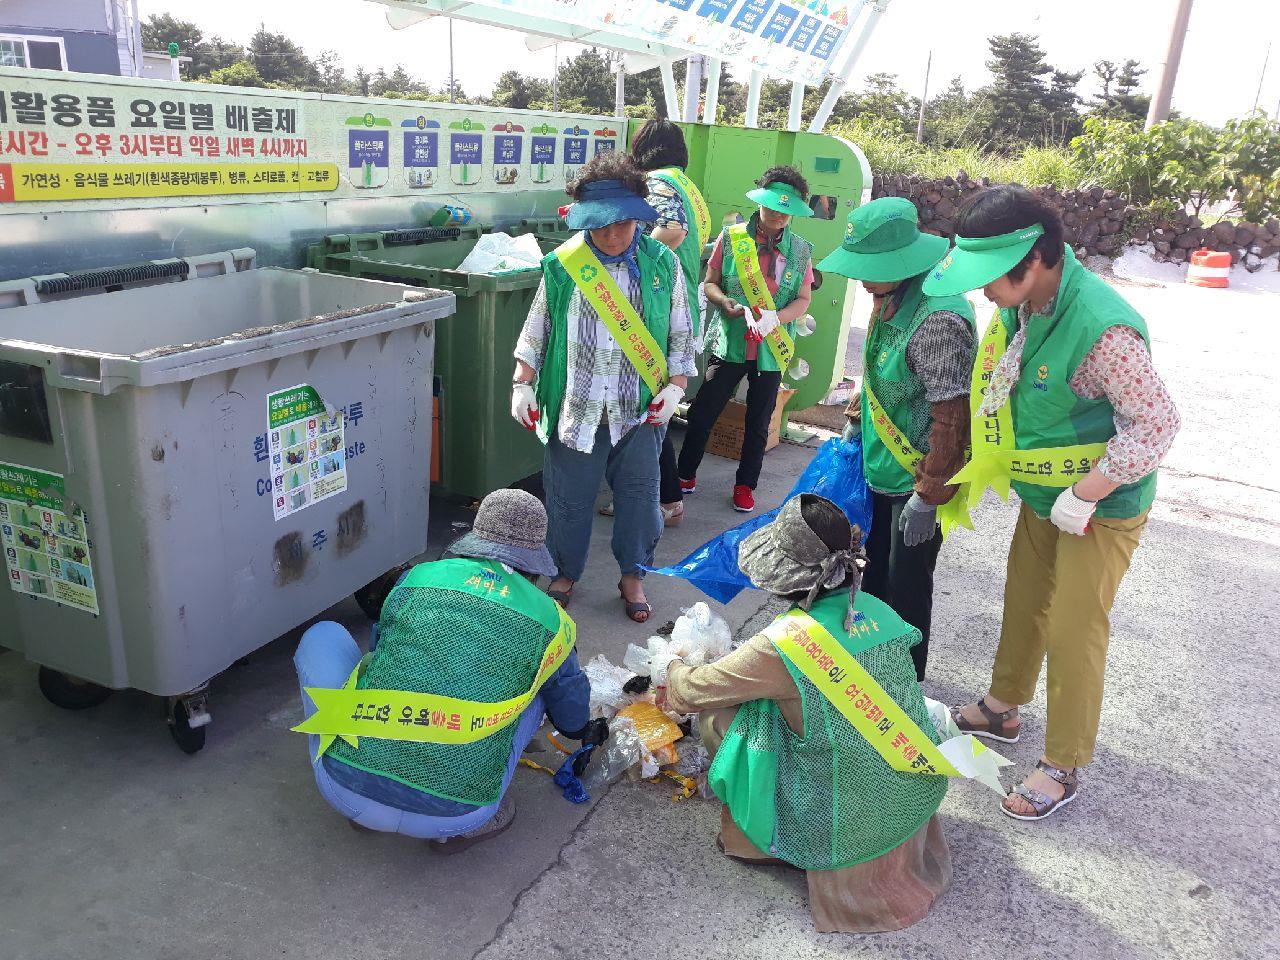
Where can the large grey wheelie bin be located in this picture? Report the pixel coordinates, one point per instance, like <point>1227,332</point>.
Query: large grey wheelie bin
<point>191,469</point>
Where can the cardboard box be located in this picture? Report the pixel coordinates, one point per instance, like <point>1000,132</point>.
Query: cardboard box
<point>726,436</point>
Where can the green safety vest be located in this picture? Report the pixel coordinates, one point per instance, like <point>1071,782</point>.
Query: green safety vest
<point>689,253</point>
<point>1046,411</point>
<point>900,392</point>
<point>657,278</point>
<point>727,335</point>
<point>827,800</point>
<point>458,628</point>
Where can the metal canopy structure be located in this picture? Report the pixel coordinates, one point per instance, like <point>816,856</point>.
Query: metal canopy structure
<point>805,42</point>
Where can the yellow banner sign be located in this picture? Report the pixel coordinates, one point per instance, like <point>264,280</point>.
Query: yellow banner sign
<point>995,460</point>
<point>21,182</point>
<point>747,260</point>
<point>614,309</point>
<point>701,215</point>
<point>424,717</point>
<point>811,648</point>
<point>955,512</point>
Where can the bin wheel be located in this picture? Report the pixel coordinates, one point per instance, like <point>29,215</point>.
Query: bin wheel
<point>70,693</point>
<point>188,738</point>
<point>370,597</point>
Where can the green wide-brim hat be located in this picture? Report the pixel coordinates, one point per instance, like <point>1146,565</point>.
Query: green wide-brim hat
<point>883,244</point>
<point>976,261</point>
<point>782,198</point>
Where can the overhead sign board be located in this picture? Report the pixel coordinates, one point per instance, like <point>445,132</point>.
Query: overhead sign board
<point>795,40</point>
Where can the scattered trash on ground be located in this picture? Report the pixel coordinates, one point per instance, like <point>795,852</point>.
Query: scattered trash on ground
<point>646,742</point>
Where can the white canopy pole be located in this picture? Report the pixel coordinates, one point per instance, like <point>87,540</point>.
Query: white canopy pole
<point>855,53</point>
<point>620,91</point>
<point>713,91</point>
<point>796,107</point>
<point>669,90</point>
<point>754,83</point>
<point>692,88</point>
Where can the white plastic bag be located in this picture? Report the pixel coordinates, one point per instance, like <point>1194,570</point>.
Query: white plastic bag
<point>607,695</point>
<point>503,253</point>
<point>699,637</point>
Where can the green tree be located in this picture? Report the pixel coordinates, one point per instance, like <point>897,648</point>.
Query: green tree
<point>281,62</point>
<point>333,78</point>
<point>1062,119</point>
<point>517,91</point>
<point>1017,91</point>
<point>207,53</point>
<point>361,82</point>
<point>588,79</point>
<point>161,29</point>
<point>1119,96</point>
<point>241,74</point>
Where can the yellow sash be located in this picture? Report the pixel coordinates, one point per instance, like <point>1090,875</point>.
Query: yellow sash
<point>953,513</point>
<point>811,648</point>
<point>424,717</point>
<point>613,307</point>
<point>701,215</point>
<point>995,459</point>
<point>747,260</point>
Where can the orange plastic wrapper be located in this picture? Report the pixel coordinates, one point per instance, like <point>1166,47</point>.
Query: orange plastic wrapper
<point>657,731</point>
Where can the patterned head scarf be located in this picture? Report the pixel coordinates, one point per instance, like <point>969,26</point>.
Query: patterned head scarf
<point>787,556</point>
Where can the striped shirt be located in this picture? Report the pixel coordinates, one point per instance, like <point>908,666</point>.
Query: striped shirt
<point>603,385</point>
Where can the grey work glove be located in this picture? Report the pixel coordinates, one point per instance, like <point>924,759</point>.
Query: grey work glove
<point>918,522</point>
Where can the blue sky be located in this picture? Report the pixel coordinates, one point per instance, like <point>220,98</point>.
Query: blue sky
<point>1221,64</point>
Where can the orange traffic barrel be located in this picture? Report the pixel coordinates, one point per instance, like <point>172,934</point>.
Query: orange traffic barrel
<point>1209,269</point>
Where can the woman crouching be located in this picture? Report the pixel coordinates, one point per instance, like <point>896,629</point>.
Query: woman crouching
<point>801,785</point>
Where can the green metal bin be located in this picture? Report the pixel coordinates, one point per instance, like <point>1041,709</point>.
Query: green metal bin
<point>481,447</point>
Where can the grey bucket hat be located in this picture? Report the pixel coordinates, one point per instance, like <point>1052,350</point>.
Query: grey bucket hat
<point>787,555</point>
<point>510,527</point>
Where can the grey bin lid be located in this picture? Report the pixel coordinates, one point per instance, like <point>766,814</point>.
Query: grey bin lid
<point>173,332</point>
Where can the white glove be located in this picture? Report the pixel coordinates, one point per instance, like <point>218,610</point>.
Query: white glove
<point>1070,514</point>
<point>524,405</point>
<point>663,407</point>
<point>764,325</point>
<point>806,325</point>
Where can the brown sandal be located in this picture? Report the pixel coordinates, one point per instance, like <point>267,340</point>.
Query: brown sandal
<point>1043,804</point>
<point>995,728</point>
<point>638,610</point>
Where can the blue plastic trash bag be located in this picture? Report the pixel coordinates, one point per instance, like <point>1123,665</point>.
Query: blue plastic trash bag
<point>835,473</point>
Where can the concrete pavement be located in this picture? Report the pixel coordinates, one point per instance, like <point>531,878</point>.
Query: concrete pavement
<point>116,845</point>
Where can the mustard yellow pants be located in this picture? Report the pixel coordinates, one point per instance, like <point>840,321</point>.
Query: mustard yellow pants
<point>1057,602</point>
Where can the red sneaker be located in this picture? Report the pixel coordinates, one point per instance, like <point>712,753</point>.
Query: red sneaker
<point>688,486</point>
<point>744,499</point>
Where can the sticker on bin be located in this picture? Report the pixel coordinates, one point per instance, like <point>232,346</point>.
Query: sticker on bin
<point>307,447</point>
<point>46,548</point>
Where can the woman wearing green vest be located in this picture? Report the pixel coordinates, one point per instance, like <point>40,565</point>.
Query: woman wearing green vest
<point>684,224</point>
<point>801,784</point>
<point>601,363</point>
<point>917,362</point>
<point>754,343</point>
<point>472,628</point>
<point>1077,418</point>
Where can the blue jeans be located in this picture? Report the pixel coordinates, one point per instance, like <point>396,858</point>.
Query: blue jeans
<point>571,480</point>
<point>325,658</point>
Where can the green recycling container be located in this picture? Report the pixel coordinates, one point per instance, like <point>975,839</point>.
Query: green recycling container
<point>481,447</point>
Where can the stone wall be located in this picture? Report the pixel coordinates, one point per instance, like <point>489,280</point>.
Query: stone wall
<point>1096,222</point>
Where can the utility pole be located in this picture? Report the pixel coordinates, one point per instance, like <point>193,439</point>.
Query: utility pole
<point>1163,98</point>
<point>555,79</point>
<point>452,88</point>
<point>924,98</point>
<point>1262,76</point>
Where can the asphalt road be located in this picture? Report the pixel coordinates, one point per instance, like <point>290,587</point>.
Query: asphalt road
<point>115,845</point>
